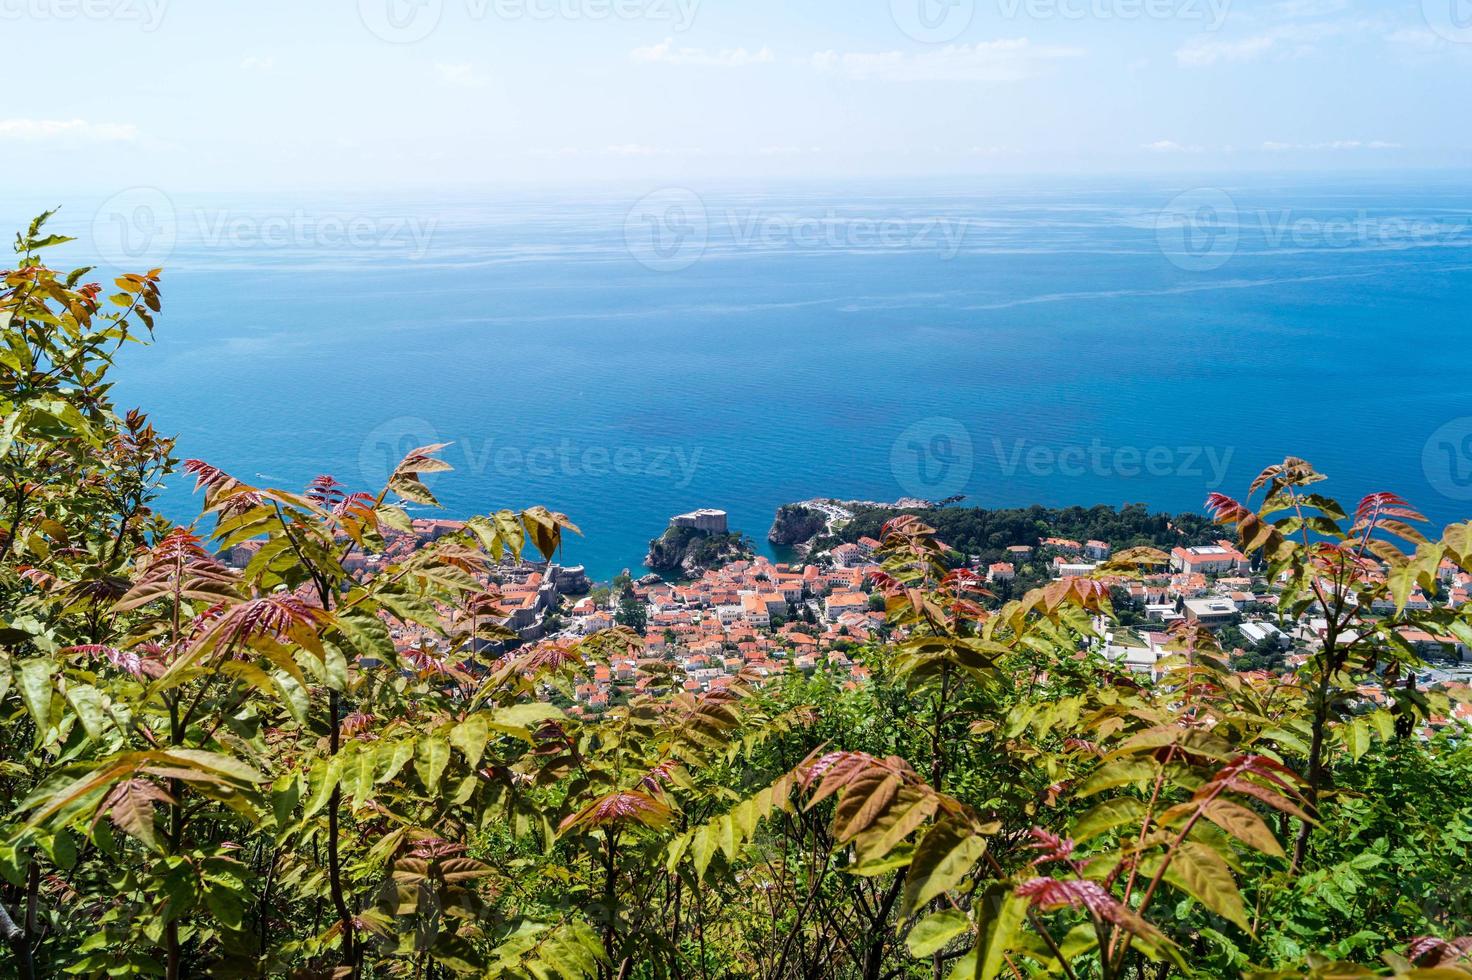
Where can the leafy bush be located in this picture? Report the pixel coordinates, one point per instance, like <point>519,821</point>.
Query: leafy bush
<point>240,772</point>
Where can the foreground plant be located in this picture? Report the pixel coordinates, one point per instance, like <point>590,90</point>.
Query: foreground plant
<point>336,762</point>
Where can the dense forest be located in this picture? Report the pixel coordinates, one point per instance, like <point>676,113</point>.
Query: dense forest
<point>211,771</point>
<point>684,551</point>
<point>983,533</point>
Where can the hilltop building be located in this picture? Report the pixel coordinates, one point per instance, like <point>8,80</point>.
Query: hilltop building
<point>706,520</point>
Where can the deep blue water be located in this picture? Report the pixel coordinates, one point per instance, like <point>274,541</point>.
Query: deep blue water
<point>1016,341</point>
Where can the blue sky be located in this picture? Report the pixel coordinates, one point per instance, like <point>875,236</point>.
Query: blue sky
<point>243,94</point>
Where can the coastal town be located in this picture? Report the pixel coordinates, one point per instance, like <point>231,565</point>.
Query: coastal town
<point>754,618</point>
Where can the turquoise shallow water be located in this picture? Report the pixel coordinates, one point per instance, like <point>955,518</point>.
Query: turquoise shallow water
<point>623,358</point>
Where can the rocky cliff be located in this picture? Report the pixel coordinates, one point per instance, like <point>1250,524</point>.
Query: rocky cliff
<point>795,525</point>
<point>687,553</point>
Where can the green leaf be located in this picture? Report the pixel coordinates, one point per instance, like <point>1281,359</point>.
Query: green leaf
<point>294,696</point>
<point>1000,913</point>
<point>1357,737</point>
<point>431,755</point>
<point>1383,722</point>
<point>945,855</point>
<point>1243,824</point>
<point>226,906</point>
<point>934,931</point>
<point>368,635</point>
<point>364,768</point>
<point>521,720</point>
<point>1107,816</point>
<point>1201,873</point>
<point>1114,774</point>
<point>395,755</point>
<point>893,861</point>
<point>87,702</point>
<point>702,849</point>
<point>470,737</point>
<point>334,667</point>
<point>412,489</point>
<point>396,518</point>
<point>34,681</point>
<point>325,775</point>
<point>909,810</point>
<point>212,763</point>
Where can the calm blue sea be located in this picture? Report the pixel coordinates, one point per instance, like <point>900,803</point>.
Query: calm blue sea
<point>625,354</point>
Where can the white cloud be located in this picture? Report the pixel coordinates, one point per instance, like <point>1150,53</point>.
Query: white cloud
<point>252,63</point>
<point>640,150</point>
<point>1171,146</point>
<point>460,76</point>
<point>1424,42</point>
<point>1429,40</point>
<point>614,150</point>
<point>665,53</point>
<point>45,129</point>
<point>1202,53</point>
<point>1288,41</point>
<point>1333,145</point>
<point>1003,60</point>
<point>1287,9</point>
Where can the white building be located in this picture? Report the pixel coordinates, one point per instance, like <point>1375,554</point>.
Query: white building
<point>1212,559</point>
<point>707,520</point>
